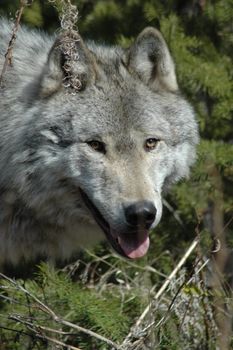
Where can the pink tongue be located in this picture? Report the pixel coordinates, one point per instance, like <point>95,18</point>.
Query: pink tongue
<point>134,249</point>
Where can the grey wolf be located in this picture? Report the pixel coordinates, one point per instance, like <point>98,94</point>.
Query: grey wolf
<point>75,168</point>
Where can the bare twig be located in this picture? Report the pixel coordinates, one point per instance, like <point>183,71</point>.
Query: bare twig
<point>36,329</point>
<point>9,53</point>
<point>169,278</point>
<point>161,290</point>
<point>25,291</point>
<point>91,333</point>
<point>15,331</point>
<point>145,331</point>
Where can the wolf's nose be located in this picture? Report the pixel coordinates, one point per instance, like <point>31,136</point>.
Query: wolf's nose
<point>141,214</point>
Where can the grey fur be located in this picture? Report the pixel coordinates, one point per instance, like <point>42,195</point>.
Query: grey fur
<point>127,97</point>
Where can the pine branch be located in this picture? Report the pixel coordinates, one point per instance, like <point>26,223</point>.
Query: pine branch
<point>53,315</point>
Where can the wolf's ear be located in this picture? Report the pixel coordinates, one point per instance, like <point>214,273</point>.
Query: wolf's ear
<point>150,59</point>
<point>69,63</point>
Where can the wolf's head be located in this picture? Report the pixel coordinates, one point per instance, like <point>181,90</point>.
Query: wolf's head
<point>106,153</point>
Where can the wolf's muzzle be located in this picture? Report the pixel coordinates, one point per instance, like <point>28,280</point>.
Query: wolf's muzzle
<point>133,242</point>
<point>140,214</point>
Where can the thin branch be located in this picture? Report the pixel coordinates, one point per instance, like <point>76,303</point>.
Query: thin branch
<point>155,325</point>
<point>24,290</point>
<point>169,279</point>
<point>91,333</point>
<point>173,211</point>
<point>161,290</point>
<point>36,329</point>
<point>9,53</point>
<point>187,281</point>
<point>15,331</point>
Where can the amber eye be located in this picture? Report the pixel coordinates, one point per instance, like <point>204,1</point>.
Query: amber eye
<point>97,146</point>
<point>151,143</point>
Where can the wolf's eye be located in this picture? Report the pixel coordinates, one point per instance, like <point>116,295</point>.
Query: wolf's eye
<point>151,143</point>
<point>97,146</point>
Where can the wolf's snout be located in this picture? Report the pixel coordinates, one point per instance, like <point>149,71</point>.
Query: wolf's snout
<point>141,214</point>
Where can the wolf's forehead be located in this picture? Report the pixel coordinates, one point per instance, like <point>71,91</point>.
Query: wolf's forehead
<point>117,111</point>
<point>104,55</point>
<point>122,120</point>
<point>112,64</point>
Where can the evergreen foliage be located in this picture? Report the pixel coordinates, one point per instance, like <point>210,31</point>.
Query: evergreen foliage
<point>106,294</point>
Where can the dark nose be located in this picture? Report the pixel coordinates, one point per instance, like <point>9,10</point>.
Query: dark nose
<point>141,214</point>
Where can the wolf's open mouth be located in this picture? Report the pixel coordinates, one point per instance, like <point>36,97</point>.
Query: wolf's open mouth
<point>130,244</point>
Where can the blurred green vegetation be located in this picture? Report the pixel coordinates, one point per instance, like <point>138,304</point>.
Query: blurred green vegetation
<point>200,36</point>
